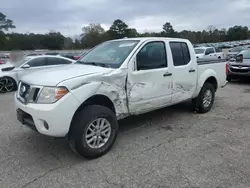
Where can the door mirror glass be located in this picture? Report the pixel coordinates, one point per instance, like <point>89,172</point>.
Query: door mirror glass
<point>26,66</point>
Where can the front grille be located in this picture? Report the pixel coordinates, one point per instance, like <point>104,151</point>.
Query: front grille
<point>239,70</point>
<point>27,93</point>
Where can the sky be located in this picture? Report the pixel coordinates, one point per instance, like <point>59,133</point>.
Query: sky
<point>69,16</point>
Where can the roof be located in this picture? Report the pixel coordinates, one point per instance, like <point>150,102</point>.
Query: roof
<point>150,38</point>
<point>55,56</point>
<point>204,47</point>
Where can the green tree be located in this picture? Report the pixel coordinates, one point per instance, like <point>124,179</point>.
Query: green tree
<point>5,24</point>
<point>168,30</point>
<point>118,29</point>
<point>93,35</point>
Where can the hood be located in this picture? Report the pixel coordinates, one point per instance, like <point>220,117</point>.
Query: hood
<point>246,62</point>
<point>232,53</point>
<point>55,75</point>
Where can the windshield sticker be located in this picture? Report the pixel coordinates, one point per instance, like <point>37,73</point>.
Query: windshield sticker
<point>126,45</point>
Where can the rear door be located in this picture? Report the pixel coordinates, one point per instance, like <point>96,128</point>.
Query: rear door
<point>149,83</point>
<point>184,71</point>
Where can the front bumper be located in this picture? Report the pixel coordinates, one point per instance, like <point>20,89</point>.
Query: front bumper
<point>48,119</point>
<point>238,74</point>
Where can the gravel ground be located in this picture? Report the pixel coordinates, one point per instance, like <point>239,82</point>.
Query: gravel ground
<point>172,147</point>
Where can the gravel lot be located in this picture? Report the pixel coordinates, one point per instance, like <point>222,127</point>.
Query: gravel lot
<point>172,147</point>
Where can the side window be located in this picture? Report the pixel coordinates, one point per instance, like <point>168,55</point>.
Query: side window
<point>37,62</point>
<point>186,54</point>
<point>57,61</point>
<point>180,53</point>
<point>152,56</point>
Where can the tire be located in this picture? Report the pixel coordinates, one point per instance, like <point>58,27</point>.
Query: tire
<point>81,127</point>
<point>7,84</point>
<point>229,79</point>
<point>199,104</point>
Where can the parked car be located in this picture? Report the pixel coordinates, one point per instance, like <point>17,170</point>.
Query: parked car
<point>52,53</point>
<point>207,52</point>
<point>234,51</point>
<point>11,74</point>
<point>73,55</point>
<point>240,67</point>
<point>114,80</point>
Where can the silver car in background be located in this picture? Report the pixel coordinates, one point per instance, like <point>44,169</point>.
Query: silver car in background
<point>11,74</point>
<point>239,67</point>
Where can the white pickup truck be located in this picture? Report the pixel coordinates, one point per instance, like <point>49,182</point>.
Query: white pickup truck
<point>207,52</point>
<point>116,79</point>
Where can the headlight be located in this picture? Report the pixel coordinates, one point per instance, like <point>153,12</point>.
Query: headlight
<point>50,95</point>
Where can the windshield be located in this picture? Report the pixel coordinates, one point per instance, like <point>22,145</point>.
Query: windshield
<point>246,54</point>
<point>109,54</point>
<point>237,49</point>
<point>199,51</point>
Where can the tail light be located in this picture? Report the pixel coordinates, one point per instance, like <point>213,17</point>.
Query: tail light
<point>2,62</point>
<point>226,68</point>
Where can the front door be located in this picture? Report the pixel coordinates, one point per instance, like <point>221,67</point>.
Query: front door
<point>149,84</point>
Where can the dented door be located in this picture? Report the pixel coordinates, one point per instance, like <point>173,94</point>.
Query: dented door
<point>149,84</point>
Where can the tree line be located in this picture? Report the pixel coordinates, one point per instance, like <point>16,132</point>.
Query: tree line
<point>94,34</point>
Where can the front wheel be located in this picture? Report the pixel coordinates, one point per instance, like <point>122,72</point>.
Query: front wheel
<point>94,131</point>
<point>204,102</point>
<point>7,84</point>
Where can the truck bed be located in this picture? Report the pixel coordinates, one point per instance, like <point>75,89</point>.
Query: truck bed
<point>212,67</point>
<point>203,61</point>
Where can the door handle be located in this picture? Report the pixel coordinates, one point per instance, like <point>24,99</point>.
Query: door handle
<point>167,74</point>
<point>191,70</point>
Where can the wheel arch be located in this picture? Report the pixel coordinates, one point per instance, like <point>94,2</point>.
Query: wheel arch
<point>97,99</point>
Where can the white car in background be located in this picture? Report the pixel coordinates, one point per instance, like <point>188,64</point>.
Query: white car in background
<point>207,52</point>
<point>10,74</point>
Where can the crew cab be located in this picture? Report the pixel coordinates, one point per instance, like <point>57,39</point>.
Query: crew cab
<point>115,79</point>
<point>207,52</point>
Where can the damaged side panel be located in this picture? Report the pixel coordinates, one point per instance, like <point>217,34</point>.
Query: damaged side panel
<point>148,90</point>
<point>111,84</point>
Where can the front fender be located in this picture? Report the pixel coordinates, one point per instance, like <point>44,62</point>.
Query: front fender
<point>115,93</point>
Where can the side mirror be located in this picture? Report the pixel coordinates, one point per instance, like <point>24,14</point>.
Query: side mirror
<point>26,66</point>
<point>207,53</point>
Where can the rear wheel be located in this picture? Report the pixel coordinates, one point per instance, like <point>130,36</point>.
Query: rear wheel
<point>93,131</point>
<point>7,84</point>
<point>204,102</point>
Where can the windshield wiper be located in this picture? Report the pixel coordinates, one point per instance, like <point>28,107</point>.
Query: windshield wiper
<point>94,63</point>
